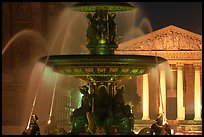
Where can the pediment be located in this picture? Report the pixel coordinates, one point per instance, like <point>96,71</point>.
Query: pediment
<point>170,38</point>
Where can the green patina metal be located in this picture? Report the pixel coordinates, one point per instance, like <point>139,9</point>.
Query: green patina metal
<point>108,6</point>
<point>101,69</point>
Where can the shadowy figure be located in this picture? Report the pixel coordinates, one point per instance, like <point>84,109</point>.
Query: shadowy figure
<point>114,130</point>
<point>102,26</point>
<point>112,27</point>
<point>33,127</point>
<point>159,128</point>
<point>101,106</point>
<point>130,116</point>
<point>86,102</point>
<point>82,119</point>
<point>118,100</point>
<point>91,31</point>
<point>86,105</point>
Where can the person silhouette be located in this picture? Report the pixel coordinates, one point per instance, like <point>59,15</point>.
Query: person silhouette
<point>33,127</point>
<point>158,128</point>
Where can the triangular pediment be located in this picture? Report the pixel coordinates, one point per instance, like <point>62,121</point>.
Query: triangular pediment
<point>170,38</point>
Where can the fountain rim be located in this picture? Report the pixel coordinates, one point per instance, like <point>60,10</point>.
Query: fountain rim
<point>101,68</point>
<point>105,6</point>
<point>102,59</point>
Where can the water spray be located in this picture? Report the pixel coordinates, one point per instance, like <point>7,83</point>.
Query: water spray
<point>19,34</point>
<point>39,84</point>
<point>56,79</point>
<point>53,96</point>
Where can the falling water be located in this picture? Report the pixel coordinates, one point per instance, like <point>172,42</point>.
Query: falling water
<point>40,104</point>
<point>41,77</point>
<point>70,32</point>
<point>133,31</point>
<point>53,96</point>
<point>37,40</point>
<point>46,76</point>
<point>56,79</point>
<point>129,28</point>
<point>24,33</point>
<point>55,39</point>
<point>36,78</point>
<point>67,37</point>
<point>145,25</point>
<point>31,90</point>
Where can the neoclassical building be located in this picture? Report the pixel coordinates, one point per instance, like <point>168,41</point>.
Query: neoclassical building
<point>179,82</point>
<point>180,87</point>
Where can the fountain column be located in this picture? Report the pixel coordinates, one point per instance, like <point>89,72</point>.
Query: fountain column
<point>197,94</point>
<point>180,108</point>
<point>162,109</point>
<point>145,97</point>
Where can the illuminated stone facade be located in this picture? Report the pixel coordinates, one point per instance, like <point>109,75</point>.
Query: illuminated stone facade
<point>181,94</point>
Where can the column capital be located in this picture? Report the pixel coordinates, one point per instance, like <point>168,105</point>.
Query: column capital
<point>197,66</point>
<point>179,65</point>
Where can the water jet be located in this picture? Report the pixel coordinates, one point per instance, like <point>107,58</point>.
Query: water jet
<point>104,110</point>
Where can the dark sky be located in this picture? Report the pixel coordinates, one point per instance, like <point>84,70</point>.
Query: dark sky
<point>186,15</point>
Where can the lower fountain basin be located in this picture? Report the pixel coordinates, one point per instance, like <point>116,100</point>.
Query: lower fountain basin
<point>101,68</point>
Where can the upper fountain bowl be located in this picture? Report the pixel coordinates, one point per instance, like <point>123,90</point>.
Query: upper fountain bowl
<point>107,6</point>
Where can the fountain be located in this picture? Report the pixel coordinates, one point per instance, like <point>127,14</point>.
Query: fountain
<point>103,110</point>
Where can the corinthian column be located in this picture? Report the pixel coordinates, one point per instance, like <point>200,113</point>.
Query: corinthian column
<point>145,97</point>
<point>162,97</point>
<point>180,108</point>
<point>197,94</point>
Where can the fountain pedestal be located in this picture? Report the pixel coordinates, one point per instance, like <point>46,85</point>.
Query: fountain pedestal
<point>104,111</point>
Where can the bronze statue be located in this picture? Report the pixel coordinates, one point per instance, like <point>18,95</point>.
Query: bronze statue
<point>33,127</point>
<point>87,107</point>
<point>92,30</point>
<point>159,128</point>
<point>118,101</point>
<point>112,28</point>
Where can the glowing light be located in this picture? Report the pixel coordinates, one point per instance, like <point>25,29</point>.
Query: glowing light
<point>102,41</point>
<point>172,131</point>
<point>49,121</point>
<point>145,97</point>
<point>48,75</point>
<point>79,99</point>
<point>164,120</point>
<point>197,95</point>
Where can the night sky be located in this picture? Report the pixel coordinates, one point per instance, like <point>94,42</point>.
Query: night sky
<point>186,15</point>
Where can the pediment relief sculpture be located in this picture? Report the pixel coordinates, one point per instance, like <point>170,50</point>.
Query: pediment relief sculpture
<point>170,38</point>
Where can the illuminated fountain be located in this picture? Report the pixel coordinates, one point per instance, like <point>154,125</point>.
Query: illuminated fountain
<point>103,110</point>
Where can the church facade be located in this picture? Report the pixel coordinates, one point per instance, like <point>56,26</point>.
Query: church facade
<point>173,88</point>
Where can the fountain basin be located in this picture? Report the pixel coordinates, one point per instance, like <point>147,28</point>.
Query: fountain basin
<point>102,68</point>
<point>107,6</point>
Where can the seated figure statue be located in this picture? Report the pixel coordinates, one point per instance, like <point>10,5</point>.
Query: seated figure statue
<point>82,117</point>
<point>33,127</point>
<point>160,128</point>
<point>118,100</point>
